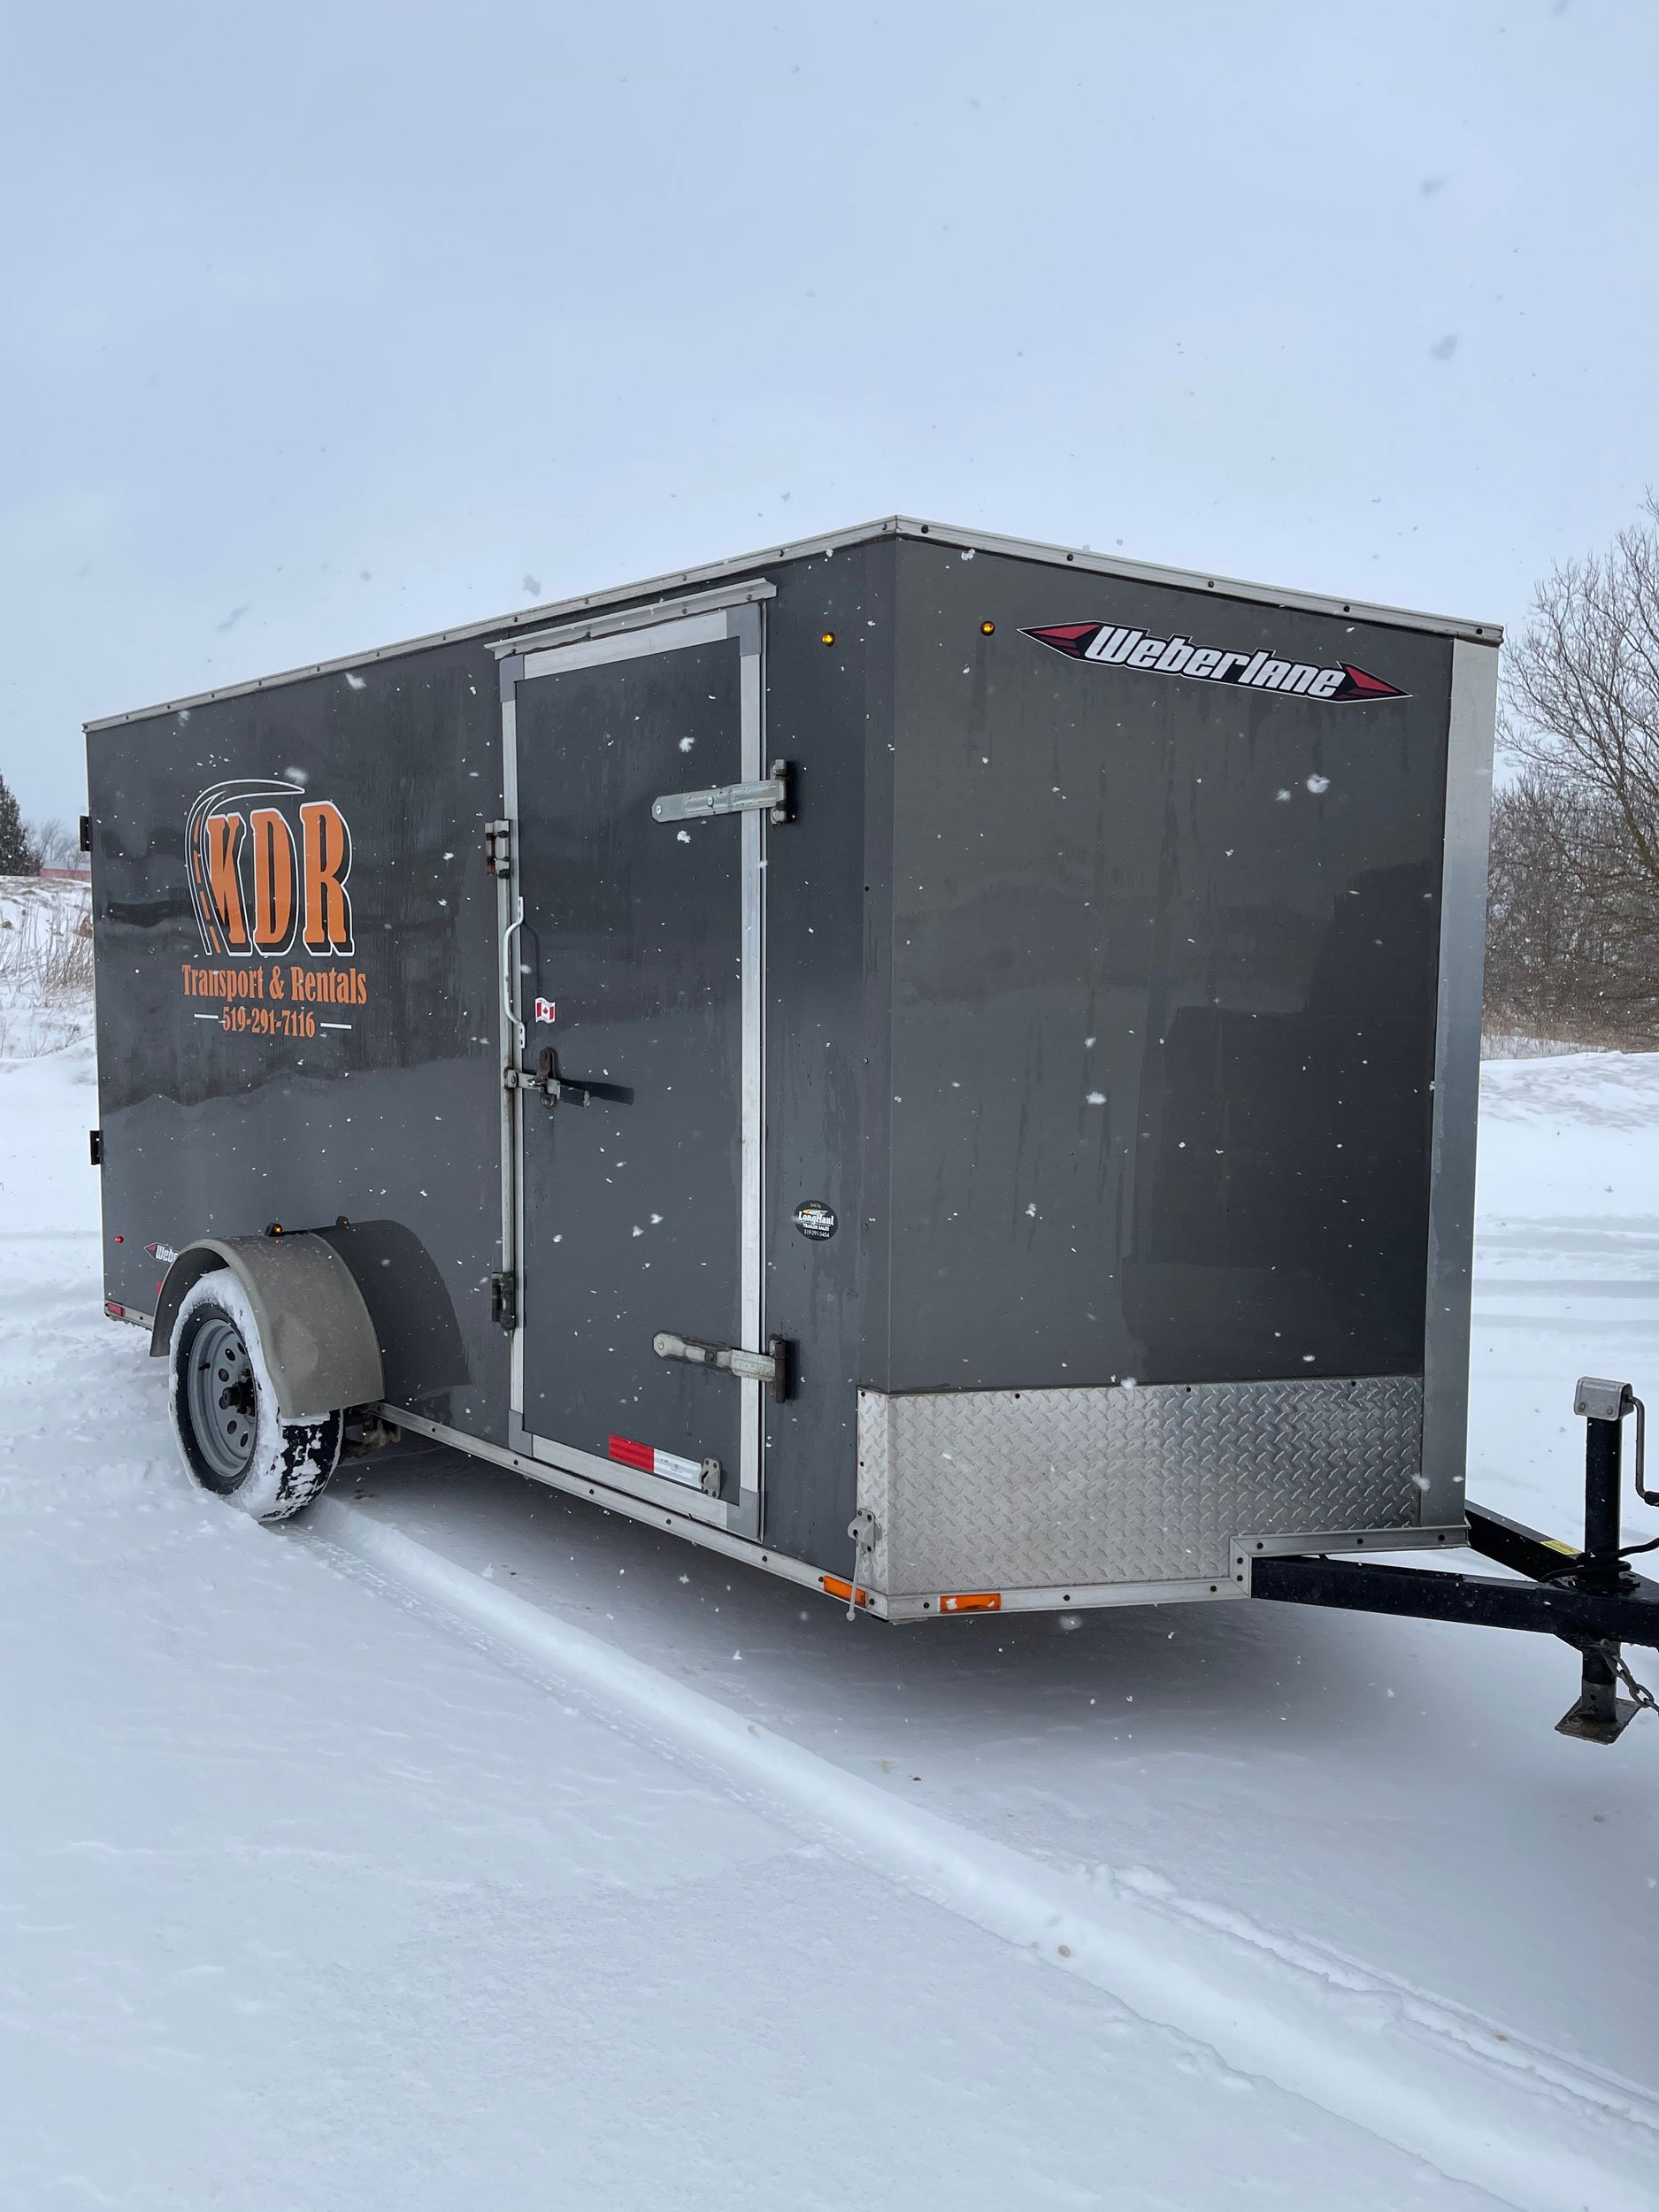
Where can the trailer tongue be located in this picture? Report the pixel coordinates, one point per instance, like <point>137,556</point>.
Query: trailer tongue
<point>1591,1599</point>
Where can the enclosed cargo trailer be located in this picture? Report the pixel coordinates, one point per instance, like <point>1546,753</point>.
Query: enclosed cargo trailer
<point>942,1066</point>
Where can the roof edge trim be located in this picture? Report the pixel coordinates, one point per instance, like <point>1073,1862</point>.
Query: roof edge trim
<point>829,541</point>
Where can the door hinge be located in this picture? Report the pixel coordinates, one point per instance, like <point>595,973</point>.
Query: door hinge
<point>498,848</point>
<point>771,797</point>
<point>94,1145</point>
<point>86,832</point>
<point>774,1366</point>
<point>504,1300</point>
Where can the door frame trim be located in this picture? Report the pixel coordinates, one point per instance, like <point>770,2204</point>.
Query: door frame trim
<point>644,631</point>
<point>600,625</point>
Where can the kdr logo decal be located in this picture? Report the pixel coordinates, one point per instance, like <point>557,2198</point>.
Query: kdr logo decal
<point>1114,646</point>
<point>268,870</point>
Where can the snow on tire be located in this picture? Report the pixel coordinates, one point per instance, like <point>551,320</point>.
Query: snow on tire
<point>224,1409</point>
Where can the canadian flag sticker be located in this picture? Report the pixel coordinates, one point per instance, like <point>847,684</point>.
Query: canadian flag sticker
<point>544,1010</point>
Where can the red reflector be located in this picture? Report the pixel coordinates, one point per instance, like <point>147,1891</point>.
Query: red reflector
<point>632,1455</point>
<point>972,1601</point>
<point>837,1588</point>
<point>115,1312</point>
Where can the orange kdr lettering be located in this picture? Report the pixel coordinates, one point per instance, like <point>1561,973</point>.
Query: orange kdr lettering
<point>224,882</point>
<point>273,873</point>
<point>327,864</point>
<point>268,871</point>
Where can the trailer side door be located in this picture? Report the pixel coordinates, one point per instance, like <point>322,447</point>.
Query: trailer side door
<point>632,965</point>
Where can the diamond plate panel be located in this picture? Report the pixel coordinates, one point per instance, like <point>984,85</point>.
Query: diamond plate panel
<point>1019,1489</point>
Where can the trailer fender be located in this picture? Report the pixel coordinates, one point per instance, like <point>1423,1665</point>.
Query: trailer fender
<point>320,1345</point>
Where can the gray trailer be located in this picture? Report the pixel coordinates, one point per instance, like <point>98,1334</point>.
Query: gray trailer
<point>942,1067</point>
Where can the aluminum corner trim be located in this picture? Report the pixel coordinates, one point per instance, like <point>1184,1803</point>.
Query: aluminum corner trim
<point>1457,1080</point>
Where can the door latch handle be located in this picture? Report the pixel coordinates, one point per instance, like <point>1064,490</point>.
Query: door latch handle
<point>774,1366</point>
<point>558,1090</point>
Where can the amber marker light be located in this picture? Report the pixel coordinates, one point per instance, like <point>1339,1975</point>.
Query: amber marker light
<point>988,629</point>
<point>972,1601</point>
<point>837,1588</point>
<point>828,638</point>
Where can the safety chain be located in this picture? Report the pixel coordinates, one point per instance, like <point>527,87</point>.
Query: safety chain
<point>1645,1699</point>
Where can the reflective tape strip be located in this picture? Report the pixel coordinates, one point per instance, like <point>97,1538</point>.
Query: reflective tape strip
<point>650,1462</point>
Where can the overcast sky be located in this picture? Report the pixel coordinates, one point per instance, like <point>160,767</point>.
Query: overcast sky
<point>325,324</point>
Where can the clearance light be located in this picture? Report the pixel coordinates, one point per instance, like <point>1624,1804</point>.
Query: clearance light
<point>972,1601</point>
<point>837,1588</point>
<point>828,638</point>
<point>988,629</point>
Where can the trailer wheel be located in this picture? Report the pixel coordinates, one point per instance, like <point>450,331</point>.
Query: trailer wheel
<point>234,1441</point>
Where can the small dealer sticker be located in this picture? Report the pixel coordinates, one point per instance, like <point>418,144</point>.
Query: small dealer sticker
<point>813,1219</point>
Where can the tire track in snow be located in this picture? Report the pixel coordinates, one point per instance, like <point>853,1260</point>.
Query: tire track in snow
<point>1536,2129</point>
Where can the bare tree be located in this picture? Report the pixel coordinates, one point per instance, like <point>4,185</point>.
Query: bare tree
<point>58,844</point>
<point>1567,956</point>
<point>1573,941</point>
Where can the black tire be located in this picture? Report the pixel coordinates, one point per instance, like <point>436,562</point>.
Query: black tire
<point>233,1440</point>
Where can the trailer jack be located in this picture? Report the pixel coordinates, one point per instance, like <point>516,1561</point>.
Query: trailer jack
<point>1589,1598</point>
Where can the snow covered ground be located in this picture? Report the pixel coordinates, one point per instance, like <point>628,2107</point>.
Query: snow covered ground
<point>463,1846</point>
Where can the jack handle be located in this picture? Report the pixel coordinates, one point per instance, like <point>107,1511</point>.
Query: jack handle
<point>1597,1399</point>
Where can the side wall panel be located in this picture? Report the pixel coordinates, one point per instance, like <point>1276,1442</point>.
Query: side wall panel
<point>225,1102</point>
<point>218,1129</point>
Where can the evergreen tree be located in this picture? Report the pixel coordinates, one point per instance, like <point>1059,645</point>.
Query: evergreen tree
<point>17,857</point>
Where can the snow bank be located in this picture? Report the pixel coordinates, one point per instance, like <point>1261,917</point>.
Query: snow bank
<point>1588,1090</point>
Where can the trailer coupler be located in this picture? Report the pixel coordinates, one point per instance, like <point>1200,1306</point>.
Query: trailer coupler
<point>1590,1599</point>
